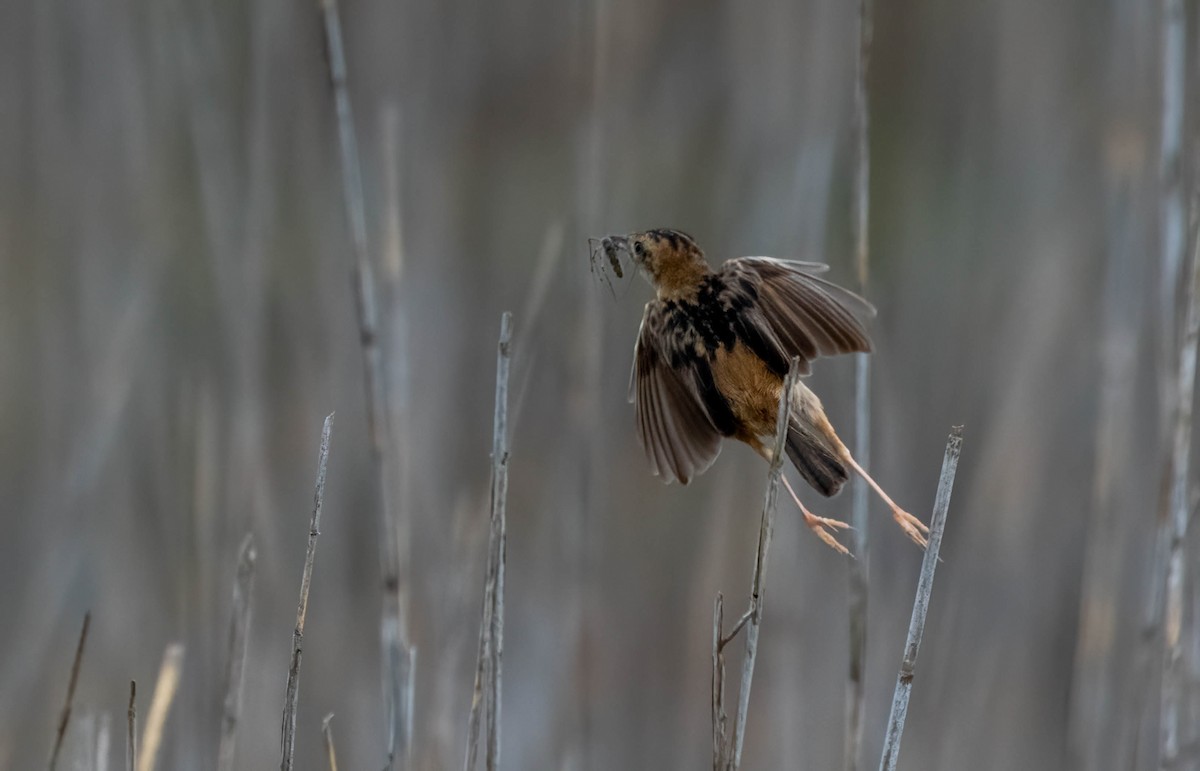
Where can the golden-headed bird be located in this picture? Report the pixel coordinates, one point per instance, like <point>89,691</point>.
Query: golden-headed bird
<point>712,353</point>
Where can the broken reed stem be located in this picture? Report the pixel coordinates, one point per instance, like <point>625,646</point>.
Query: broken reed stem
<point>752,620</point>
<point>327,734</point>
<point>235,663</point>
<point>720,747</point>
<point>314,530</point>
<point>398,656</point>
<point>64,718</point>
<point>131,729</point>
<point>916,626</point>
<point>487,690</point>
<point>1180,507</point>
<point>160,705</point>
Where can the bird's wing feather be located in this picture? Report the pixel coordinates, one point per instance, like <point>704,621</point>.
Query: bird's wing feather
<point>674,427</point>
<point>800,265</point>
<point>809,316</point>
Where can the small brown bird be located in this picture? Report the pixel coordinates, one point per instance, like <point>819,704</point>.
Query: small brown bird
<point>712,353</point>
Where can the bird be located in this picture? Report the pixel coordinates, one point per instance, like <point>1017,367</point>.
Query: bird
<point>711,355</point>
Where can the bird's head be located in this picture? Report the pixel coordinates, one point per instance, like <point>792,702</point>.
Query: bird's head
<point>670,260</point>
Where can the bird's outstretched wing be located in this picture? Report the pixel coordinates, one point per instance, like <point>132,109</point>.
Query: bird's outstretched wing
<point>807,315</point>
<point>674,425</point>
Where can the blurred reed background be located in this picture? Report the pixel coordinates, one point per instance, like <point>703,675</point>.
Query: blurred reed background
<point>176,319</point>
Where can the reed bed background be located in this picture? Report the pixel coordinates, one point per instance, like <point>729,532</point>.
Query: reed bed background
<point>177,316</point>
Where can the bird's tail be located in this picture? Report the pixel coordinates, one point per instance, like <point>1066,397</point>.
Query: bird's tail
<point>815,457</point>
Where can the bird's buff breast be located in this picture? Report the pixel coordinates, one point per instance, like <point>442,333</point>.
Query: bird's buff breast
<point>751,389</point>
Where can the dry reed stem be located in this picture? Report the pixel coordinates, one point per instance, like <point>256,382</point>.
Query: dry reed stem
<point>859,569</point>
<point>499,525</point>
<point>398,657</point>
<point>916,626</point>
<point>327,735</point>
<point>859,578</point>
<point>131,728</point>
<point>314,530</point>
<point>1172,237</point>
<point>488,680</point>
<point>751,620</point>
<point>719,719</point>
<point>64,718</point>
<point>235,662</point>
<point>1179,514</point>
<point>160,705</point>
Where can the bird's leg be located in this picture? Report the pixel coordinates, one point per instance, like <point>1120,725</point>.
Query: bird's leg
<point>912,527</point>
<point>818,524</point>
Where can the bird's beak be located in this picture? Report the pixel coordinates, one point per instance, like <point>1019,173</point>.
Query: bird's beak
<point>620,242</point>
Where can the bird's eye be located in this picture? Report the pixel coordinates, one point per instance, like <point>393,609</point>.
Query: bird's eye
<point>638,249</point>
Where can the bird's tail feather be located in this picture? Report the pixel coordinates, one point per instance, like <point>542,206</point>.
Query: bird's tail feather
<point>815,458</point>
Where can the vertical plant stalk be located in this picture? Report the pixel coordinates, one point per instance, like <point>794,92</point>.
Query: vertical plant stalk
<point>235,663</point>
<point>327,735</point>
<point>859,568</point>
<point>1088,722</point>
<point>583,539</point>
<point>103,741</point>
<point>1173,228</point>
<point>916,626</point>
<point>1172,246</point>
<point>131,729</point>
<point>499,532</point>
<point>862,138</point>
<point>64,718</point>
<point>718,685</point>
<point>752,619</point>
<point>401,653</point>
<point>488,665</point>
<point>160,705</point>
<point>398,657</point>
<point>310,554</point>
<point>1180,506</point>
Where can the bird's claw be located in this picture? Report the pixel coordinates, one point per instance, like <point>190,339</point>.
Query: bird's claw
<point>818,525</point>
<point>912,527</point>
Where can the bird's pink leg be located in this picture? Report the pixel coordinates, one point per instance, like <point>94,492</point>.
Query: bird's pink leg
<point>818,524</point>
<point>912,527</point>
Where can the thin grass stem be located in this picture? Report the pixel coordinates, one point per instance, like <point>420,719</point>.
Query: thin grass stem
<point>314,531</point>
<point>64,718</point>
<point>235,662</point>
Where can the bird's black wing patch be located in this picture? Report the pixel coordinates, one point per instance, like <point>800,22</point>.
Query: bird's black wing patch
<point>794,312</point>
<point>680,414</point>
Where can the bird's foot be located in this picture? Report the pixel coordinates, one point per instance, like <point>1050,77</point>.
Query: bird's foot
<point>912,527</point>
<point>819,524</point>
